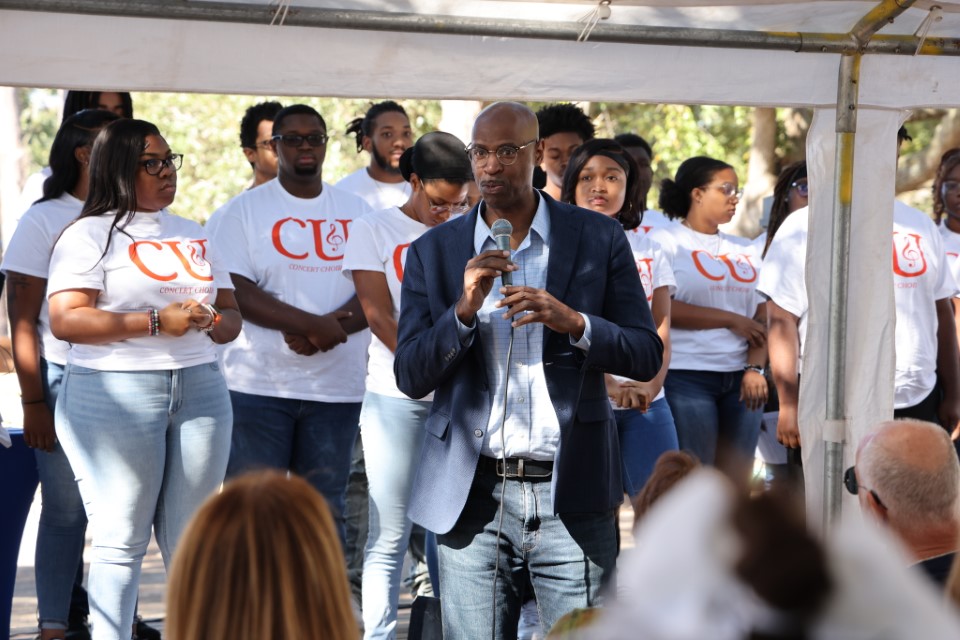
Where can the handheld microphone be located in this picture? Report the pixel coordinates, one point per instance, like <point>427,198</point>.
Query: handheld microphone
<point>501,230</point>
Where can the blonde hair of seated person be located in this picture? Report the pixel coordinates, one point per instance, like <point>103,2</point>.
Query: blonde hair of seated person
<point>260,561</point>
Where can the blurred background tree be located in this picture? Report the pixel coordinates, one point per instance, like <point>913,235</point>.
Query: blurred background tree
<point>205,128</point>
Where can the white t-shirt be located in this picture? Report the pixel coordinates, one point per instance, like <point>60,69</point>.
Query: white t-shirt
<point>718,271</point>
<point>159,258</point>
<point>292,248</point>
<point>652,219</point>
<point>379,195</point>
<point>655,272</point>
<point>920,278</point>
<point>951,246</point>
<point>29,253</point>
<point>379,242</point>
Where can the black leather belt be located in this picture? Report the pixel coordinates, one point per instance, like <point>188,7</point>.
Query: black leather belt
<point>517,468</point>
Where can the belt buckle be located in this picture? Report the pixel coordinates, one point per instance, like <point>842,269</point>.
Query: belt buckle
<point>520,472</point>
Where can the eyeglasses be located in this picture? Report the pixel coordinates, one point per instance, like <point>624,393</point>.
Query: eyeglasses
<point>728,189</point>
<point>154,166</point>
<point>949,187</point>
<point>803,189</point>
<point>454,209</point>
<point>263,144</point>
<point>506,154</point>
<point>294,140</point>
<point>853,487</point>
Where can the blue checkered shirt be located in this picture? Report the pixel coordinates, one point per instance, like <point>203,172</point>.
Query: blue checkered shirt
<point>532,427</point>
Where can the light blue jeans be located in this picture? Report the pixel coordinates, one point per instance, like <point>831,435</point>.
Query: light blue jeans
<point>566,558</point>
<point>63,523</point>
<point>392,438</point>
<point>148,447</point>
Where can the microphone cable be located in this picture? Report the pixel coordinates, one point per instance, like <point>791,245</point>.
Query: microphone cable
<point>503,488</point>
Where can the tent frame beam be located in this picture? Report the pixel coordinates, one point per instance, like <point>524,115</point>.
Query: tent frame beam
<point>857,41</point>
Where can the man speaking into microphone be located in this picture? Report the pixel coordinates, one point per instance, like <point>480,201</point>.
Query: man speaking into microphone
<point>520,471</point>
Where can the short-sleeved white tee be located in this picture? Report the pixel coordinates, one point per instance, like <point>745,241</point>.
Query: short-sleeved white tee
<point>379,242</point>
<point>157,259</point>
<point>920,278</point>
<point>292,248</point>
<point>29,253</point>
<point>379,195</point>
<point>951,246</point>
<point>718,271</point>
<point>654,270</point>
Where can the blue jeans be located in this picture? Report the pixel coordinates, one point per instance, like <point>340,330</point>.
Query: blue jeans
<point>63,522</point>
<point>148,447</point>
<point>643,437</point>
<point>311,439</point>
<point>567,558</point>
<point>392,438</point>
<point>708,412</point>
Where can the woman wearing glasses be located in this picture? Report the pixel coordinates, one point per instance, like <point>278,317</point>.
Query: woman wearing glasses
<point>143,413</point>
<point>603,177</point>
<point>438,171</point>
<point>789,194</point>
<point>715,385</point>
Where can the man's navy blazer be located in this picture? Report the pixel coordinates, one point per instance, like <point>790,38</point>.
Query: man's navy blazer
<point>591,269</point>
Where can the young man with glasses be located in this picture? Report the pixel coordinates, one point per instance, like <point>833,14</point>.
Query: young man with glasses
<point>256,131</point>
<point>296,373</point>
<point>520,470</point>
<point>907,479</point>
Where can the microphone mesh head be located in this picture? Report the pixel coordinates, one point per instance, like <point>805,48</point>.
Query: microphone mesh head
<point>501,227</point>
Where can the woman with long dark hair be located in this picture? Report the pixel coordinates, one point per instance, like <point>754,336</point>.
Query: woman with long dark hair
<point>143,413</point>
<point>716,386</point>
<point>40,358</point>
<point>603,177</point>
<point>438,171</point>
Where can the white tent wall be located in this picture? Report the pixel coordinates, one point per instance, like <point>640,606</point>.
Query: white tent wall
<point>155,54</point>
<point>868,383</point>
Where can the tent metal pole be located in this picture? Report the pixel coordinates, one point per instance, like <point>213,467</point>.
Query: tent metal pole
<point>848,92</point>
<point>261,14</point>
<point>847,96</point>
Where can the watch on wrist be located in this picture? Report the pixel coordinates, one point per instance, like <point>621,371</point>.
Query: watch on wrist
<point>755,367</point>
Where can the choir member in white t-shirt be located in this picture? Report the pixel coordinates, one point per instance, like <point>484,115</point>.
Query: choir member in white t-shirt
<point>641,151</point>
<point>40,359</point>
<point>143,411</point>
<point>603,177</point>
<point>946,211</point>
<point>391,423</point>
<point>715,386</point>
<point>385,133</point>
<point>296,371</point>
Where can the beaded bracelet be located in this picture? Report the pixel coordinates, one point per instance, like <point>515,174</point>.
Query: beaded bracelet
<point>154,324</point>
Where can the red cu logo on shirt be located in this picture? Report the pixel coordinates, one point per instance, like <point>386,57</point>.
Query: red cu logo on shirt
<point>645,269</point>
<point>739,266</point>
<point>399,257</point>
<point>328,239</point>
<point>908,258</point>
<point>196,248</point>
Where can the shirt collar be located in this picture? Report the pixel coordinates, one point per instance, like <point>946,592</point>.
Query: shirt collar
<point>540,225</point>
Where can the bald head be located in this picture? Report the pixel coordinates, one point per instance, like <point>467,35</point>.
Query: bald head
<point>913,468</point>
<point>514,113</point>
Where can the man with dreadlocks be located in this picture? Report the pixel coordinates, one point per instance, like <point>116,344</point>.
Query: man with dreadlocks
<point>385,133</point>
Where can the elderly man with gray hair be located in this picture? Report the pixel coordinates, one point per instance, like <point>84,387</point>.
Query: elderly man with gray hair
<point>907,477</point>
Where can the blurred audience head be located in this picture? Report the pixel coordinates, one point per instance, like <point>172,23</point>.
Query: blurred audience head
<point>671,467</point>
<point>260,560</point>
<point>70,152</point>
<point>256,131</point>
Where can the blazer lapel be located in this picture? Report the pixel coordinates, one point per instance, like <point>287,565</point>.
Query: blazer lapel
<point>564,242</point>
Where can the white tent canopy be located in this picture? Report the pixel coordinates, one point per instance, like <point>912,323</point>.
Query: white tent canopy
<point>744,52</point>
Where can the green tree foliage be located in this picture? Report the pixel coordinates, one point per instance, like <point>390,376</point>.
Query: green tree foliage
<point>206,129</point>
